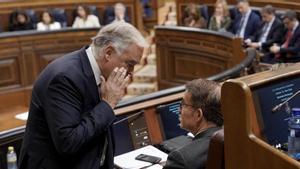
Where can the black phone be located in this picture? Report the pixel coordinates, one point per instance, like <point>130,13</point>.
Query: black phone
<point>148,158</point>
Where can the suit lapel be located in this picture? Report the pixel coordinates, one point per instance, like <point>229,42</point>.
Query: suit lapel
<point>88,72</point>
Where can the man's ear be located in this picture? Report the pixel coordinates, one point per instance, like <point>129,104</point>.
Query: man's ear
<point>199,114</point>
<point>108,51</point>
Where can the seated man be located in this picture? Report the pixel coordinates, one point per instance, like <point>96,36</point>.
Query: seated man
<point>289,49</point>
<point>120,12</point>
<point>247,21</point>
<point>269,33</point>
<point>200,115</point>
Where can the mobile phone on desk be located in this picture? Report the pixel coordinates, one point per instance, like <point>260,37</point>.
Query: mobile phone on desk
<point>148,158</point>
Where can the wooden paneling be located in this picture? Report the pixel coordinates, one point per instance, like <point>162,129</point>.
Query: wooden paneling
<point>25,55</point>
<point>9,72</point>
<point>185,53</point>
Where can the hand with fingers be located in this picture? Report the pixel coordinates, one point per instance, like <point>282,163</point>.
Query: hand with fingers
<point>113,89</point>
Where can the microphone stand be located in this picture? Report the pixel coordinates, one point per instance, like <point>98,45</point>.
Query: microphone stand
<point>277,107</point>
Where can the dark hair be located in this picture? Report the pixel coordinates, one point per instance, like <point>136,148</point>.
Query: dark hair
<point>268,9</point>
<point>86,9</point>
<point>291,15</point>
<point>16,14</point>
<point>206,95</point>
<point>50,14</point>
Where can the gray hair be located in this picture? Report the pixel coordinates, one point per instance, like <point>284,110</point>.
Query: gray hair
<point>242,1</point>
<point>118,34</point>
<point>268,10</point>
<point>291,15</point>
<point>206,94</point>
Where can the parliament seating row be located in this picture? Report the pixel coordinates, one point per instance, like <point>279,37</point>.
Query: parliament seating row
<point>207,7</point>
<point>60,15</point>
<point>102,8</point>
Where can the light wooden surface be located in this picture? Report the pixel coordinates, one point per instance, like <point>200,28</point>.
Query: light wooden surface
<point>8,120</point>
<point>244,146</point>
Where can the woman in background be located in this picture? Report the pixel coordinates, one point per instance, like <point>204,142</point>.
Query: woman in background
<point>84,19</point>
<point>47,22</point>
<point>221,20</point>
<point>20,21</point>
<point>194,18</point>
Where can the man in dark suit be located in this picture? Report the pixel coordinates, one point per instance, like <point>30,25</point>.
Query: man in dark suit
<point>269,33</point>
<point>289,49</point>
<point>247,21</point>
<point>200,115</point>
<point>70,115</point>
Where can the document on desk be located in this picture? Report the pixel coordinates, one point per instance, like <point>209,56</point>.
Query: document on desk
<point>128,161</point>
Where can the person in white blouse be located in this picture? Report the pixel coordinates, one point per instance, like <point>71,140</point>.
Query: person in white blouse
<point>47,22</point>
<point>84,19</point>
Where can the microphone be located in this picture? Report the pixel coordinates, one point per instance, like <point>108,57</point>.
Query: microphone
<point>278,106</point>
<point>128,117</point>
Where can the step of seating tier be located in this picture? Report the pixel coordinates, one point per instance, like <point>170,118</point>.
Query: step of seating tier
<point>141,88</point>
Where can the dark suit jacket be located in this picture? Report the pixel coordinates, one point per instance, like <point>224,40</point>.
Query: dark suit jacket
<point>193,155</point>
<point>292,52</point>
<point>253,23</point>
<point>275,34</point>
<point>67,122</point>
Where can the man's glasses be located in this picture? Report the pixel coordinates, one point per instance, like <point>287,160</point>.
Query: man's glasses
<point>183,104</point>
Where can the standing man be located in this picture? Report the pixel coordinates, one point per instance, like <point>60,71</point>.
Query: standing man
<point>247,21</point>
<point>71,110</point>
<point>200,115</point>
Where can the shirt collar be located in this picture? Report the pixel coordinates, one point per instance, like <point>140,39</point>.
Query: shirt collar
<point>248,13</point>
<point>95,66</point>
<point>296,25</point>
<point>272,21</point>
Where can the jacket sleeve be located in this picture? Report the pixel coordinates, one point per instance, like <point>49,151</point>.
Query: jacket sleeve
<point>71,128</point>
<point>294,49</point>
<point>276,37</point>
<point>175,161</point>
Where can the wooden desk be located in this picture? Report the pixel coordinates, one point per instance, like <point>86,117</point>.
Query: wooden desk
<point>244,144</point>
<point>8,120</point>
<point>184,53</point>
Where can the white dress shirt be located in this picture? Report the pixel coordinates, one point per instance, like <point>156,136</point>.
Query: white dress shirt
<point>94,65</point>
<point>242,31</point>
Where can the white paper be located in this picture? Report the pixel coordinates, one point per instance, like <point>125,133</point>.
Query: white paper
<point>128,161</point>
<point>22,116</point>
<point>156,166</point>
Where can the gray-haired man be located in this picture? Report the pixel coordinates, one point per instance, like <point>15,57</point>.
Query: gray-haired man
<point>70,115</point>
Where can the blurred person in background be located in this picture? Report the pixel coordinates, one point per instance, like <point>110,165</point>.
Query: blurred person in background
<point>20,21</point>
<point>221,20</point>
<point>47,22</point>
<point>193,17</point>
<point>270,32</point>
<point>84,19</point>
